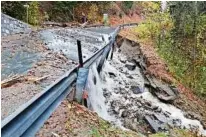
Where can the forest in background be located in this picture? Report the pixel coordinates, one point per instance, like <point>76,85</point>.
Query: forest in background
<point>179,35</point>
<point>63,11</point>
<point>178,32</point>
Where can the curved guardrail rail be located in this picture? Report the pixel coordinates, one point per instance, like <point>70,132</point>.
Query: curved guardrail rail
<point>28,119</point>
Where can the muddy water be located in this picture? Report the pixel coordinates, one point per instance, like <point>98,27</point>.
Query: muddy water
<point>119,96</point>
<point>96,100</point>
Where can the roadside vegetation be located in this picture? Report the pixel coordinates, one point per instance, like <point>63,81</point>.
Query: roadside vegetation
<point>67,11</point>
<point>178,33</point>
<point>58,11</point>
<point>175,133</point>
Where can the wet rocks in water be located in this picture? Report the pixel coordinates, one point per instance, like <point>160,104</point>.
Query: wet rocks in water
<point>123,60</point>
<point>161,118</point>
<point>111,74</point>
<point>155,107</point>
<point>192,115</point>
<point>175,122</point>
<point>116,110</point>
<point>155,126</point>
<point>124,114</point>
<point>107,94</point>
<point>94,80</point>
<point>130,77</point>
<point>127,86</point>
<point>113,103</point>
<point>136,89</point>
<point>130,66</point>
<point>104,89</point>
<point>134,61</point>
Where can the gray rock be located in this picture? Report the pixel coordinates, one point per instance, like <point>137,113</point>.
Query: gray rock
<point>124,114</point>
<point>130,66</point>
<point>123,60</point>
<point>161,118</point>
<point>94,80</point>
<point>107,94</point>
<point>130,77</point>
<point>111,74</point>
<point>136,89</point>
<point>11,26</point>
<point>153,124</point>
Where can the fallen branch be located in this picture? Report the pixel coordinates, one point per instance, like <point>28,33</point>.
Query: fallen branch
<point>36,79</point>
<point>19,78</point>
<point>11,80</point>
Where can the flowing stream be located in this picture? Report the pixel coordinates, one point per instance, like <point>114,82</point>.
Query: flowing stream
<point>110,96</point>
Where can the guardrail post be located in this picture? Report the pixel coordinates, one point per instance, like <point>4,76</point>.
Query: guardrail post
<point>112,50</point>
<point>80,53</point>
<point>81,78</point>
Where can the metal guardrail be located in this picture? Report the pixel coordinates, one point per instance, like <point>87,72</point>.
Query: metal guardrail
<point>29,118</point>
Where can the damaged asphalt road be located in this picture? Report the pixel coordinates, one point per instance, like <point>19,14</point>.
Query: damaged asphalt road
<point>41,57</point>
<point>26,55</point>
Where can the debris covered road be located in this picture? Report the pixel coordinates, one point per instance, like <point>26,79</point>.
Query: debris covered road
<point>26,57</point>
<point>33,61</point>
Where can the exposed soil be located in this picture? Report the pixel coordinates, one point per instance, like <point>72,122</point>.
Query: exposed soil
<point>71,120</point>
<point>115,19</point>
<point>188,102</point>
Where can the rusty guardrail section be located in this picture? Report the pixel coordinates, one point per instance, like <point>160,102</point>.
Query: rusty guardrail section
<point>29,118</point>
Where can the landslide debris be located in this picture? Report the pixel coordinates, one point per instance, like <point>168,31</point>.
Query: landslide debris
<point>71,119</point>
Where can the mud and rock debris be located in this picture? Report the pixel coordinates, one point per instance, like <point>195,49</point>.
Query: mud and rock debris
<point>72,119</point>
<point>26,56</point>
<point>187,100</point>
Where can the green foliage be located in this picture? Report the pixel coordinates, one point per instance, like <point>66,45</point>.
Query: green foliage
<point>188,35</point>
<point>147,8</point>
<point>179,35</point>
<point>62,10</point>
<point>93,13</point>
<point>175,133</point>
<point>34,15</point>
<point>46,16</point>
<point>159,135</point>
<point>155,26</point>
<point>103,6</point>
<point>14,9</point>
<point>94,132</point>
<point>127,4</point>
